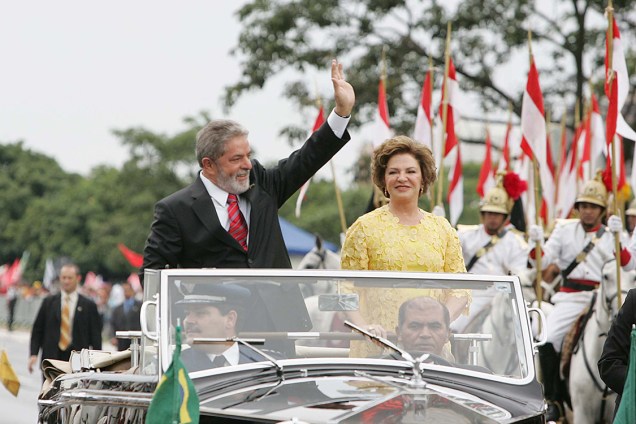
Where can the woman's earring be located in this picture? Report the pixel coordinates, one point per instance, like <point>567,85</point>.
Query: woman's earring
<point>421,190</point>
<point>386,193</point>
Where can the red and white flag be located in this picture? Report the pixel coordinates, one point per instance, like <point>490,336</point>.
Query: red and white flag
<point>382,128</point>
<point>504,160</point>
<point>456,189</point>
<point>424,120</point>
<point>566,184</point>
<point>534,135</point>
<point>320,119</point>
<point>597,132</point>
<point>452,105</point>
<point>486,174</point>
<point>620,86</point>
<point>620,176</point>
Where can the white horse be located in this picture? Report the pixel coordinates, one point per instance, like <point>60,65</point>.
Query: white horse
<point>320,258</point>
<point>591,401</point>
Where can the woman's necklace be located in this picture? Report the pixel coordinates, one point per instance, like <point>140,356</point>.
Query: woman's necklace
<point>409,218</point>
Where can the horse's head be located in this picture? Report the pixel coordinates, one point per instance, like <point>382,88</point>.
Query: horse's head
<point>320,258</point>
<point>608,289</point>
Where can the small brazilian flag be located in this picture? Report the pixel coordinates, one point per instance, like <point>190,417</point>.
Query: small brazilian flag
<point>175,400</point>
<point>626,413</point>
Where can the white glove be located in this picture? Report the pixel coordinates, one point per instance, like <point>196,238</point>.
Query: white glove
<point>438,211</point>
<point>615,224</point>
<point>535,234</point>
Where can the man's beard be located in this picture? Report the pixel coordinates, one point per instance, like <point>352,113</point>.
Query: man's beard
<point>230,184</point>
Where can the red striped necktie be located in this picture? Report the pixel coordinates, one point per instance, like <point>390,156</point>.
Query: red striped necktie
<point>238,225</point>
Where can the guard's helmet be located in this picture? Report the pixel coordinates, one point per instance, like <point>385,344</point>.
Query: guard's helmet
<point>594,192</point>
<point>631,209</point>
<point>500,198</point>
<point>496,200</point>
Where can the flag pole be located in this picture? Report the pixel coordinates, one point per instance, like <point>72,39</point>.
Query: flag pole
<point>508,134</point>
<point>548,117</point>
<point>590,112</point>
<point>562,156</point>
<point>577,123</point>
<point>611,76</point>
<point>343,222</point>
<point>378,197</point>
<point>430,75</point>
<point>537,207</point>
<point>440,183</point>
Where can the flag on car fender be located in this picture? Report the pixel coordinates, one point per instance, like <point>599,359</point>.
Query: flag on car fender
<point>175,400</point>
<point>8,376</point>
<point>626,413</point>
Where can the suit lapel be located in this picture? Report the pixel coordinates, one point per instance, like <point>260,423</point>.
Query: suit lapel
<point>253,196</point>
<point>57,307</point>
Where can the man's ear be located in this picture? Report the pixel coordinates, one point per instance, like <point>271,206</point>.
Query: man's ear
<point>231,318</point>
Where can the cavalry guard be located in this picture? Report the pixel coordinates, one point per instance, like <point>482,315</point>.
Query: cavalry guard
<point>493,247</point>
<point>576,249</point>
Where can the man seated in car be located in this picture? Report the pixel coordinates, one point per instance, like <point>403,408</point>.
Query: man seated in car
<point>214,311</point>
<point>423,326</point>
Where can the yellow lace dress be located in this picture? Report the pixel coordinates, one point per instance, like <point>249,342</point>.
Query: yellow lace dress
<point>377,241</point>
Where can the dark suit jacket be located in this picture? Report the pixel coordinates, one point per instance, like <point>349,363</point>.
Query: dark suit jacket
<point>120,321</point>
<point>187,233</point>
<point>615,357</point>
<point>45,334</point>
<point>197,360</point>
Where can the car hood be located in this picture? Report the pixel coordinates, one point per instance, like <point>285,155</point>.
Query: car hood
<point>351,400</point>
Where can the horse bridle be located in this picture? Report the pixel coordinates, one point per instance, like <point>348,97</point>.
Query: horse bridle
<point>322,255</point>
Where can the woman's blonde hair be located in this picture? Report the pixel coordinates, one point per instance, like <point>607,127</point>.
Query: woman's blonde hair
<point>398,145</point>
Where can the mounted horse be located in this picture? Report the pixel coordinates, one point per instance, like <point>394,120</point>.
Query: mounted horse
<point>592,401</point>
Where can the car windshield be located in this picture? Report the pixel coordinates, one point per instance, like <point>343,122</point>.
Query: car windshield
<point>455,323</point>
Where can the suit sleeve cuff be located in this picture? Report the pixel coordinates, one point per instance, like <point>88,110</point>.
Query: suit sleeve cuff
<point>337,123</point>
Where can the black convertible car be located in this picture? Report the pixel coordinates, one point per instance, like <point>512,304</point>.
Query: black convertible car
<point>317,346</point>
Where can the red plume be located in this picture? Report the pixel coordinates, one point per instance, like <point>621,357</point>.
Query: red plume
<point>607,177</point>
<point>514,185</point>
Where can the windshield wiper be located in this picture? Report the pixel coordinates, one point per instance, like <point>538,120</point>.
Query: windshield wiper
<point>244,342</point>
<point>415,363</point>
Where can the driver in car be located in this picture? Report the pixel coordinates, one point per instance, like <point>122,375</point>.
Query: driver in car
<point>423,326</point>
<point>214,311</point>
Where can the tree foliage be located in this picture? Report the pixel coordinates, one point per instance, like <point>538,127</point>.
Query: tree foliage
<point>304,35</point>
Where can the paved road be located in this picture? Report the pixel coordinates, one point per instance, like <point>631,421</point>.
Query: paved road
<point>23,409</point>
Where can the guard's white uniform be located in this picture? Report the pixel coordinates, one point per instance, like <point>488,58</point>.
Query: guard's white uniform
<point>509,255</point>
<point>566,241</point>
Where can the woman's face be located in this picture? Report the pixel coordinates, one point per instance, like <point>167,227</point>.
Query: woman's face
<point>403,177</point>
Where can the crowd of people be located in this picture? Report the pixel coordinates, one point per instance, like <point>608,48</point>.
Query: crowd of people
<point>227,218</point>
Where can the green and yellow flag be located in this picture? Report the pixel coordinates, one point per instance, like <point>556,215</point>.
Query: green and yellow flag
<point>626,413</point>
<point>7,375</point>
<point>175,400</point>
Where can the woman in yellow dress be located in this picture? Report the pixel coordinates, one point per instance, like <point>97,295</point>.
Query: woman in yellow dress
<point>400,236</point>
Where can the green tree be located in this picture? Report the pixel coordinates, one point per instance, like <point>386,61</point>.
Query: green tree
<point>53,214</point>
<point>25,177</point>
<point>303,35</point>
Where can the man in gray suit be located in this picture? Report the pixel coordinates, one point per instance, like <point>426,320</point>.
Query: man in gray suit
<point>228,218</point>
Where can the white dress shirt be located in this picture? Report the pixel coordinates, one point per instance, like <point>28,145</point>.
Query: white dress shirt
<point>231,355</point>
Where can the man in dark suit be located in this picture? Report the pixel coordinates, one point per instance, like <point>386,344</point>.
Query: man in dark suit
<point>196,227</point>
<point>66,321</point>
<point>614,361</point>
<point>214,311</point>
<point>125,317</point>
